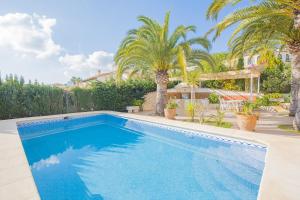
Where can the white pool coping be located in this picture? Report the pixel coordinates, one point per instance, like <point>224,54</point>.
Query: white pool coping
<point>280,179</point>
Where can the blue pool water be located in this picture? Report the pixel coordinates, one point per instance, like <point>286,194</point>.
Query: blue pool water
<point>104,157</point>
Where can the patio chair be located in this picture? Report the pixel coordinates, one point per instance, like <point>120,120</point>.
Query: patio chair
<point>230,105</point>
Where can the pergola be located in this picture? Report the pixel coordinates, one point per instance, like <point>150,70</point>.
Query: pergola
<point>250,73</point>
<point>236,74</point>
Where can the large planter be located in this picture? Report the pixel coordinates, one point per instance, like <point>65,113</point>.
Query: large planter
<point>247,122</point>
<point>133,109</point>
<point>170,113</point>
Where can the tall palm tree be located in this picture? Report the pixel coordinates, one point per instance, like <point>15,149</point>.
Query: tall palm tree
<point>271,23</point>
<point>153,50</point>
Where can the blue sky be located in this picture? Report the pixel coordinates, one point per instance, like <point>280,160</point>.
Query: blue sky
<point>52,40</point>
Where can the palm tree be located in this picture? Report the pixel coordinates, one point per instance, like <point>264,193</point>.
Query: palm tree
<point>270,23</point>
<point>193,80</point>
<point>152,50</point>
<point>75,80</point>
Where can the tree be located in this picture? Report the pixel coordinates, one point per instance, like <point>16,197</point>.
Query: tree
<point>75,80</point>
<point>193,79</point>
<point>276,79</point>
<point>22,81</point>
<point>153,50</point>
<point>266,23</point>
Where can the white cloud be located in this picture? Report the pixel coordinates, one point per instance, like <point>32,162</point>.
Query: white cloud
<point>52,160</point>
<point>28,34</point>
<point>27,48</point>
<point>83,66</point>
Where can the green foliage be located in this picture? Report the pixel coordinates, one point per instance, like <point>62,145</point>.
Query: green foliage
<point>230,85</point>
<point>138,102</point>
<point>220,63</point>
<point>25,100</point>
<point>276,79</point>
<point>191,110</point>
<point>213,98</point>
<point>266,100</point>
<point>219,119</point>
<point>83,99</point>
<point>152,48</point>
<point>215,84</point>
<point>288,128</point>
<point>263,24</point>
<point>248,108</point>
<point>112,96</point>
<point>22,100</point>
<point>224,84</point>
<point>171,105</point>
<point>172,84</point>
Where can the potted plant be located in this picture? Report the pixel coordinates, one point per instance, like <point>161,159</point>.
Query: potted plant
<point>246,117</point>
<point>170,110</point>
<point>139,103</point>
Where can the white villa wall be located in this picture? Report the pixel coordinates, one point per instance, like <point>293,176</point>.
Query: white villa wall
<point>253,60</point>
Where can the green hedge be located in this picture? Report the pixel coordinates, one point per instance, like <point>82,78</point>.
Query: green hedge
<point>25,100</point>
<point>18,100</point>
<point>112,96</point>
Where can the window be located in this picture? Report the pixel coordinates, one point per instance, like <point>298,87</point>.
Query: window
<point>287,58</point>
<point>258,58</point>
<point>280,56</point>
<point>249,61</point>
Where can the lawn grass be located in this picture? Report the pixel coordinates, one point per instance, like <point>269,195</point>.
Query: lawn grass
<point>213,122</point>
<point>222,124</point>
<point>287,127</point>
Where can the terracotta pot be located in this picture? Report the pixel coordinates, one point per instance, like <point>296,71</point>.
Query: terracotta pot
<point>170,113</point>
<point>247,122</point>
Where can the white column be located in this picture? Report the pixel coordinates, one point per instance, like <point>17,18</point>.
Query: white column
<point>258,84</point>
<point>251,87</point>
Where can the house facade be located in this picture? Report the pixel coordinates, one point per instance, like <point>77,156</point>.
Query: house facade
<point>101,77</point>
<point>283,55</point>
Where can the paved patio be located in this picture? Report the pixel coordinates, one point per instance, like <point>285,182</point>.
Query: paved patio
<point>267,124</point>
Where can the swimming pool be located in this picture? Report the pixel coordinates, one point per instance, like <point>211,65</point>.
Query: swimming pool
<point>113,158</point>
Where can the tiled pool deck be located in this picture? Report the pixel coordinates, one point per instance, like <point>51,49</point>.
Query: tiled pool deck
<point>280,178</point>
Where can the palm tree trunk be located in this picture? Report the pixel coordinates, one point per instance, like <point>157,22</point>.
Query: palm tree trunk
<point>162,80</point>
<point>193,94</point>
<point>295,89</point>
<point>295,82</point>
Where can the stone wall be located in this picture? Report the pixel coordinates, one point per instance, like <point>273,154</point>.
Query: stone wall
<point>150,99</point>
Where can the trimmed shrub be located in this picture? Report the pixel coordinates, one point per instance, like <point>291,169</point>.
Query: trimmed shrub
<point>213,98</point>
<point>25,100</point>
<point>112,96</point>
<point>276,80</point>
<point>18,100</point>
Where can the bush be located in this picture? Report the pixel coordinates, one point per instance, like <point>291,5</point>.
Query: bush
<point>171,105</point>
<point>231,85</point>
<point>266,99</point>
<point>112,96</point>
<point>276,80</point>
<point>18,100</point>
<point>25,100</point>
<point>83,99</point>
<point>191,110</point>
<point>213,98</point>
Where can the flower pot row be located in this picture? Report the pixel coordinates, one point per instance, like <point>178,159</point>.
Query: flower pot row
<point>246,119</point>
